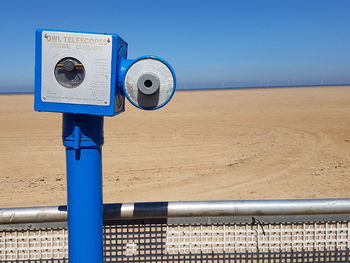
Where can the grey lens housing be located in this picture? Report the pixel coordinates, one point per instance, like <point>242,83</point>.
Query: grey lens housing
<point>148,83</point>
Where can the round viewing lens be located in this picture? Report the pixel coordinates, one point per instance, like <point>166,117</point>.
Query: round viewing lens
<point>148,83</point>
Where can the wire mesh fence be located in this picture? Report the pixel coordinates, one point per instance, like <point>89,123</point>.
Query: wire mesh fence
<point>164,241</point>
<point>34,244</point>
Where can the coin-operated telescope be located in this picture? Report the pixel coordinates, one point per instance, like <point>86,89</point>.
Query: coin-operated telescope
<point>89,73</point>
<point>86,76</point>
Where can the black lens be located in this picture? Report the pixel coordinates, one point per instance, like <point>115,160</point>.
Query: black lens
<point>148,83</point>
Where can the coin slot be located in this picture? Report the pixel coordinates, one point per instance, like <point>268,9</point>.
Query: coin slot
<point>69,72</point>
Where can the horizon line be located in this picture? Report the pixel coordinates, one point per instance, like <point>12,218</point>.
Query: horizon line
<point>218,88</point>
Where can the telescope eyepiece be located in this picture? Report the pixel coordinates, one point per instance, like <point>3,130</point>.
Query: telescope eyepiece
<point>148,83</point>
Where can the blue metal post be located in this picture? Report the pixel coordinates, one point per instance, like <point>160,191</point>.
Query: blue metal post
<point>83,139</point>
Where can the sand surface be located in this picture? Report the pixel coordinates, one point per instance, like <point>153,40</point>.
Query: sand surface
<point>206,145</point>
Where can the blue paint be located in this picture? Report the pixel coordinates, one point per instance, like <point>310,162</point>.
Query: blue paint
<point>83,139</point>
<point>112,109</point>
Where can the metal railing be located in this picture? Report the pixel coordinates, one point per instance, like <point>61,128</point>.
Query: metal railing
<point>213,231</point>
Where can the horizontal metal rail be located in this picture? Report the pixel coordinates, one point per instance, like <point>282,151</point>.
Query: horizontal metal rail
<point>185,209</point>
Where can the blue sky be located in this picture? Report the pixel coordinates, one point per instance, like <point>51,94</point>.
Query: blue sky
<point>209,43</point>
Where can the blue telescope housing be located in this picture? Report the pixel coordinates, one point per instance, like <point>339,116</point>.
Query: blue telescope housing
<point>92,86</point>
<point>89,73</point>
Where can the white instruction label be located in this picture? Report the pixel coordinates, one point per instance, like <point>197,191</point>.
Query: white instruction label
<point>90,54</point>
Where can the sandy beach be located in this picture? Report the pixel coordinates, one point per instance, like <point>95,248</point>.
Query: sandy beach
<point>206,145</point>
